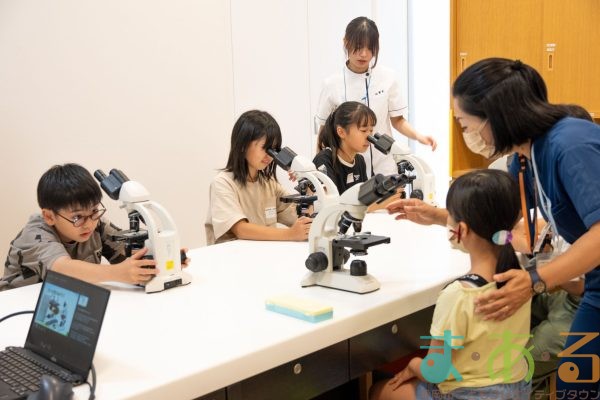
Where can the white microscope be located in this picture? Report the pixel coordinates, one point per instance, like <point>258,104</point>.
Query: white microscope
<point>422,185</point>
<point>328,238</point>
<point>160,237</point>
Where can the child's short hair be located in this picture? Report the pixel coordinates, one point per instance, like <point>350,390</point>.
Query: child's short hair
<point>67,186</point>
<point>250,126</point>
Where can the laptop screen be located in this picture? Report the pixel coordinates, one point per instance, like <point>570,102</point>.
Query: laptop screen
<point>67,321</point>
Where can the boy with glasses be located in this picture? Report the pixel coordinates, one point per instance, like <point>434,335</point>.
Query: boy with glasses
<point>70,236</point>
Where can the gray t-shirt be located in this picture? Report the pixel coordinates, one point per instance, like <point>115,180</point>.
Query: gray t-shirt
<point>38,245</point>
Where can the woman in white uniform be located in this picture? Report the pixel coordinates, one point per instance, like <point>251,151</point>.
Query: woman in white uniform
<point>378,88</point>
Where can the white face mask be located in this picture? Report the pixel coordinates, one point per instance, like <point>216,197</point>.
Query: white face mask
<point>475,142</point>
<point>454,238</point>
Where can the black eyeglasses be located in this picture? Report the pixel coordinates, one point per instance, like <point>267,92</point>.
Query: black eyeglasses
<point>79,220</point>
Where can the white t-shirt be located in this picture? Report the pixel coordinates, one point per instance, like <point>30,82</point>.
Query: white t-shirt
<point>379,89</point>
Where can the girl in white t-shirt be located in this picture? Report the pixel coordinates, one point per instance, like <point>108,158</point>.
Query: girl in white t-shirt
<point>245,197</point>
<point>470,357</point>
<point>378,88</point>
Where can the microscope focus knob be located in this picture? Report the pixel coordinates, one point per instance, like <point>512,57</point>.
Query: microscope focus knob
<point>358,268</point>
<point>417,194</point>
<point>316,262</point>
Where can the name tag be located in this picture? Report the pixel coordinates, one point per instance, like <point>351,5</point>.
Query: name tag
<point>350,178</point>
<point>270,213</point>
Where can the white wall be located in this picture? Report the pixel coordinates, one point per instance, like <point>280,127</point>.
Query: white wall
<point>429,78</point>
<point>143,86</point>
<point>153,87</point>
<point>270,66</point>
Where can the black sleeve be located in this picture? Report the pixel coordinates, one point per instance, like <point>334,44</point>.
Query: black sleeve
<point>324,163</point>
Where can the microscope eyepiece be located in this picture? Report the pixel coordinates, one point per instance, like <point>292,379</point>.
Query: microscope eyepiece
<point>99,175</point>
<point>111,183</point>
<point>383,143</point>
<point>283,158</point>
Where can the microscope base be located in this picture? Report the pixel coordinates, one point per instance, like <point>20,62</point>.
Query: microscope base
<point>342,280</point>
<point>160,283</point>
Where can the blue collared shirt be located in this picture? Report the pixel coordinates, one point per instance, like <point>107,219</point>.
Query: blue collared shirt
<point>568,162</point>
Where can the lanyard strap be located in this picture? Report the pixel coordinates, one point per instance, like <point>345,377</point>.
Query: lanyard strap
<point>531,231</point>
<point>545,201</point>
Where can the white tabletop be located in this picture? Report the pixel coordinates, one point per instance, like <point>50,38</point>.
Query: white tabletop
<point>192,340</point>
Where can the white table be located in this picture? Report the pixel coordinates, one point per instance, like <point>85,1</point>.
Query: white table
<point>189,341</point>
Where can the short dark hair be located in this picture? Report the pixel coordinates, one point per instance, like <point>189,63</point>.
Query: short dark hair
<point>513,97</point>
<point>487,201</point>
<point>345,115</point>
<point>362,32</point>
<point>68,186</point>
<point>250,126</point>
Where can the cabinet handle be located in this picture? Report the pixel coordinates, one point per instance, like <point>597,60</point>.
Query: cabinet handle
<point>297,369</point>
<point>463,62</point>
<point>395,328</point>
<point>550,61</point>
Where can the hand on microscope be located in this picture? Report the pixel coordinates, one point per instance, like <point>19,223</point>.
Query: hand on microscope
<point>418,211</point>
<point>299,231</point>
<point>136,269</point>
<point>292,176</point>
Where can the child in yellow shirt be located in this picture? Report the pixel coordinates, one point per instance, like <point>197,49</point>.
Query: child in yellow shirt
<point>483,206</point>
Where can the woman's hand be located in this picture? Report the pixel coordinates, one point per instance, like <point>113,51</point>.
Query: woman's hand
<point>427,141</point>
<point>417,211</point>
<point>503,303</point>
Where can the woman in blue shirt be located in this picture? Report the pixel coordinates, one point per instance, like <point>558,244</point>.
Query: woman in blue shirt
<point>500,107</point>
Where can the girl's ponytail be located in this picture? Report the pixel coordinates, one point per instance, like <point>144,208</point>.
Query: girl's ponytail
<point>507,260</point>
<point>327,135</point>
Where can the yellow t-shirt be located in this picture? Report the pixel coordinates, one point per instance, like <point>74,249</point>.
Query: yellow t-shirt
<point>483,341</point>
<point>257,202</point>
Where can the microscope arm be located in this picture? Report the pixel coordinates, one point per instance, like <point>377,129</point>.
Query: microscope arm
<point>424,178</point>
<point>162,240</point>
<point>354,201</point>
<point>287,159</point>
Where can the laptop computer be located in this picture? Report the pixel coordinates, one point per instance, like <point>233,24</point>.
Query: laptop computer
<point>62,337</point>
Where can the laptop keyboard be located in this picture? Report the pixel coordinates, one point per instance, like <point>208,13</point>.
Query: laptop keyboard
<point>22,372</point>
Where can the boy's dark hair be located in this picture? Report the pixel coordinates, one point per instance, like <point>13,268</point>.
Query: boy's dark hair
<point>513,97</point>
<point>362,32</point>
<point>68,186</point>
<point>487,201</point>
<point>345,115</point>
<point>250,126</point>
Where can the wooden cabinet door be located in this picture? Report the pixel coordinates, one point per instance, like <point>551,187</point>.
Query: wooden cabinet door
<point>571,47</point>
<point>498,28</point>
<point>491,28</point>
